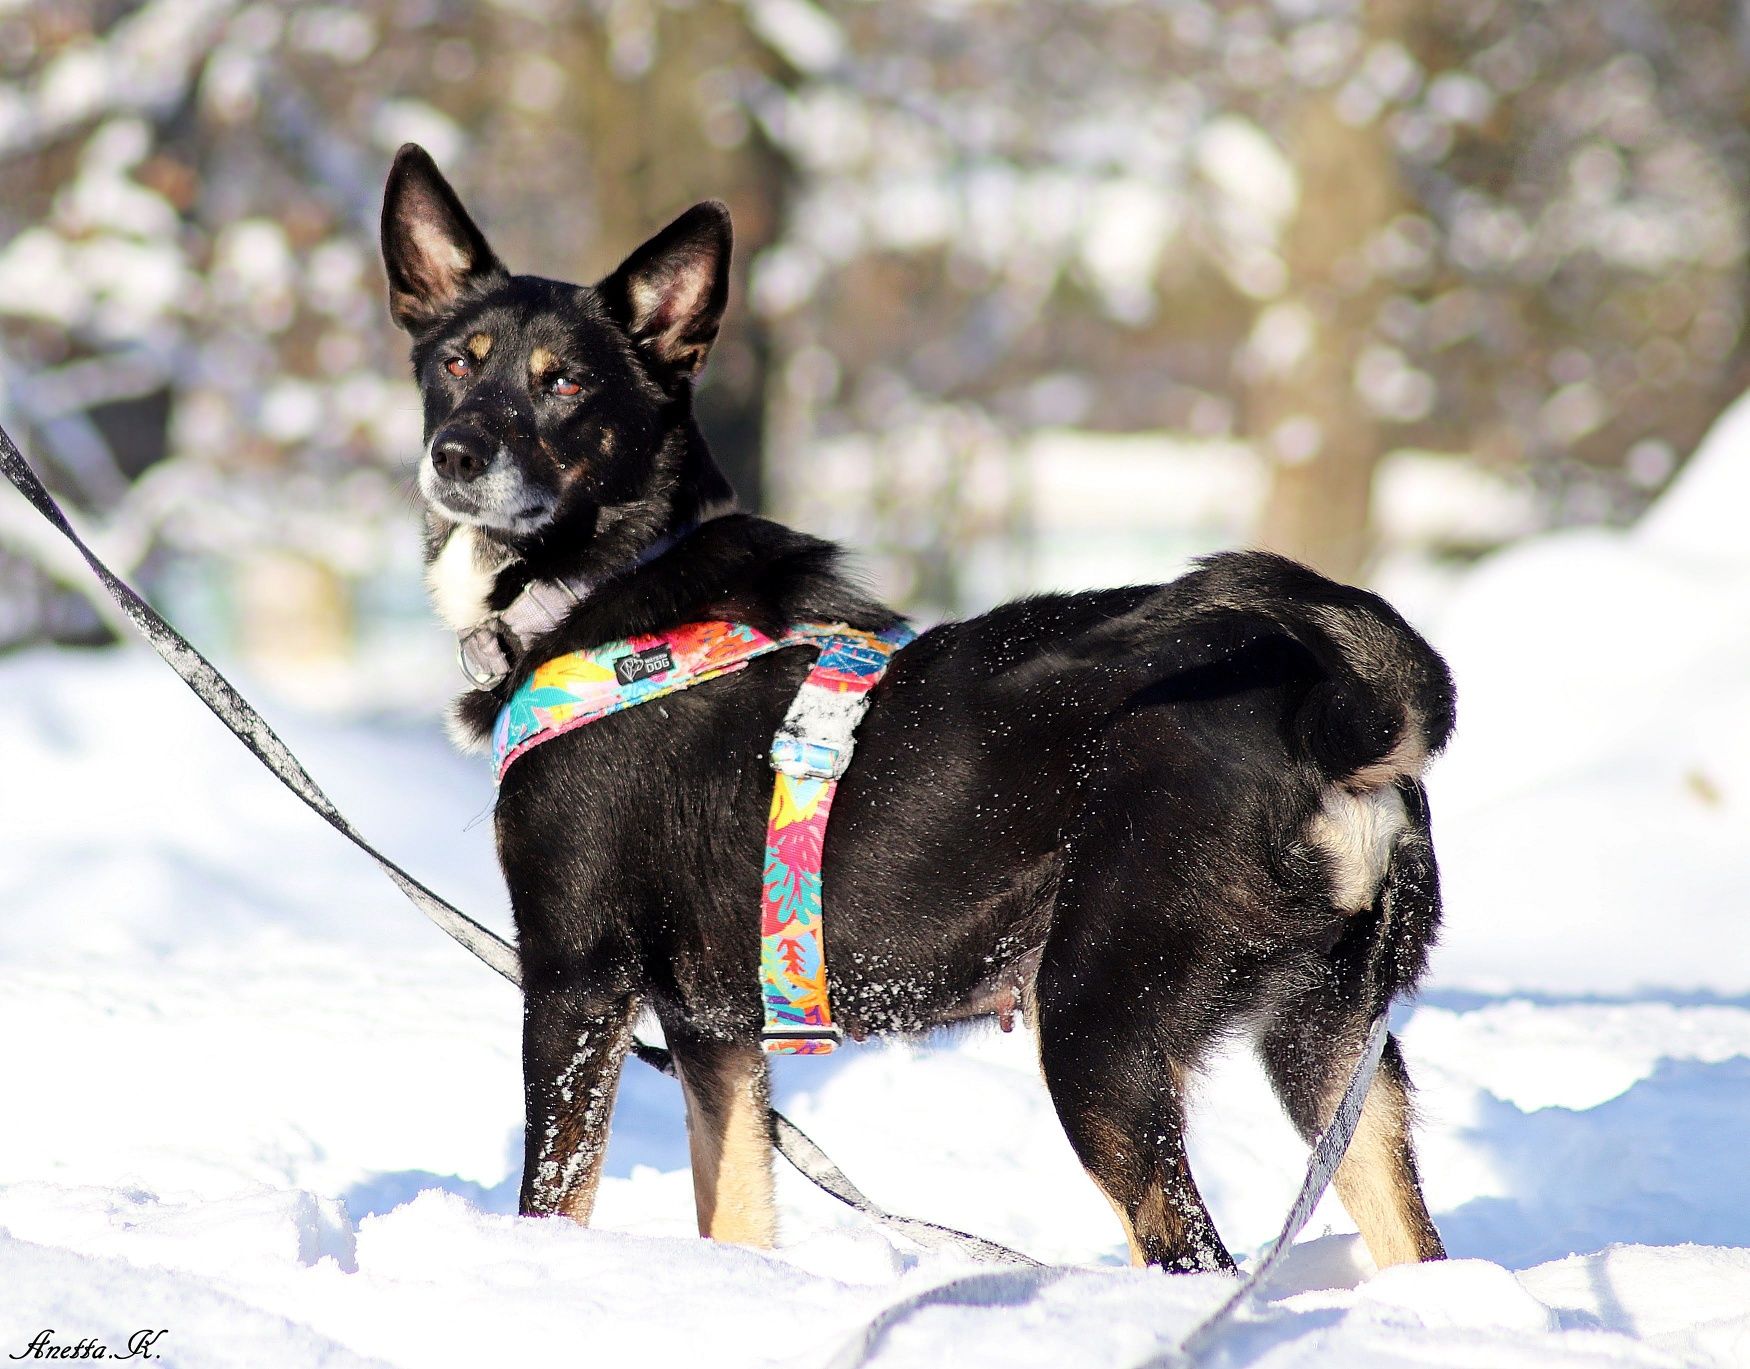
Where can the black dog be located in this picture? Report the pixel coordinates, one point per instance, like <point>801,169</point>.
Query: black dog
<point>1155,815</point>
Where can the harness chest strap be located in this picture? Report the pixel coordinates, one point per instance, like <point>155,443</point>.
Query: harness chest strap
<point>809,755</point>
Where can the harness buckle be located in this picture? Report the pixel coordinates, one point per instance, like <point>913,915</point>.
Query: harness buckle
<point>776,1038</point>
<point>480,652</point>
<point>803,758</point>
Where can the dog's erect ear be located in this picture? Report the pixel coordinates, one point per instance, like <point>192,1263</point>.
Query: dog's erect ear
<point>669,294</point>
<point>431,248</point>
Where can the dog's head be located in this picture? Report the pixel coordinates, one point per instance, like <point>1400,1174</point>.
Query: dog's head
<point>554,412</point>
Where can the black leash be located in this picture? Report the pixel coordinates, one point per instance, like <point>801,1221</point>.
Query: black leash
<point>236,712</point>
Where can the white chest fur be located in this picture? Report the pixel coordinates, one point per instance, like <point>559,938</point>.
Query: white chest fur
<point>461,576</point>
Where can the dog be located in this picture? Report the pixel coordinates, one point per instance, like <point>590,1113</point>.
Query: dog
<point>1154,816</point>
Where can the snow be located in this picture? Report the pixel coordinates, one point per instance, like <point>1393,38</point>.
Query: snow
<point>255,1100</point>
<point>1433,499</point>
<point>1596,806</point>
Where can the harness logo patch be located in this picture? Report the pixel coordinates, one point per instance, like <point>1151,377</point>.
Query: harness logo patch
<point>641,665</point>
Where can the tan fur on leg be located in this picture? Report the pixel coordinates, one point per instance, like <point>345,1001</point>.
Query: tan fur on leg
<point>1154,1194</point>
<point>1137,1258</point>
<point>727,1097</point>
<point>579,1203</point>
<point>1377,1182</point>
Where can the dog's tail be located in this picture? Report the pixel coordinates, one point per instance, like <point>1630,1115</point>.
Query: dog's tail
<point>1384,703</point>
<point>1380,706</point>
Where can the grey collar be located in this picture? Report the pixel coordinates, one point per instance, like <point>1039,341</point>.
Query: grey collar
<point>489,651</point>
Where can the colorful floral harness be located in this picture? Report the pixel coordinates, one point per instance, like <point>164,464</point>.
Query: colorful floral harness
<point>809,754</point>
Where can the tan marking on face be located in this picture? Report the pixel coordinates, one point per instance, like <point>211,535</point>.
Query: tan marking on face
<point>480,344</point>
<point>542,361</point>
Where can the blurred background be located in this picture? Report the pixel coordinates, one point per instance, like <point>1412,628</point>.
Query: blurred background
<point>1447,297</point>
<point>1027,295</point>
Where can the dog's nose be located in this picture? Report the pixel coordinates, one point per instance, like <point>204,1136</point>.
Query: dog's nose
<point>460,457</point>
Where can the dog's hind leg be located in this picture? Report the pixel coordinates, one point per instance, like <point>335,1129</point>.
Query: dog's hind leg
<point>1311,1042</point>
<point>1309,1054</point>
<point>1121,1103</point>
<point>1108,1054</point>
<point>728,1131</point>
<point>574,1043</point>
<point>1127,1001</point>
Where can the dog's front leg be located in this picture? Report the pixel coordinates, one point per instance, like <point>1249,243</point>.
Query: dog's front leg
<point>573,1046</point>
<point>728,1096</point>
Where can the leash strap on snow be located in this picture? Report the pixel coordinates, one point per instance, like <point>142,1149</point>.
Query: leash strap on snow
<point>814,1165</point>
<point>989,1288</point>
<point>232,709</point>
<point>1327,1154</point>
<point>1017,1287</point>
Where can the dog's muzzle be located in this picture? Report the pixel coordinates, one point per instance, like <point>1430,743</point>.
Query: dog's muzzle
<point>470,480</point>
<point>461,455</point>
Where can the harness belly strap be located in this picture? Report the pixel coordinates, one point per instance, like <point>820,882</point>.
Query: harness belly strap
<point>809,756</point>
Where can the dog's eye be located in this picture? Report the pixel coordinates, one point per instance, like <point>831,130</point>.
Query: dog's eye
<point>564,386</point>
<point>458,366</point>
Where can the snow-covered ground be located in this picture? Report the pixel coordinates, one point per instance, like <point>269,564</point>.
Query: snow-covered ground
<point>253,1099</point>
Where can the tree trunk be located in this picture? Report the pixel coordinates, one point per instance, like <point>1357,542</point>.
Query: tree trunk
<point>649,156</point>
<point>1304,411</point>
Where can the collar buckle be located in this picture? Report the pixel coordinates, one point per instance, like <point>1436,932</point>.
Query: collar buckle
<point>542,606</point>
<point>552,599</point>
<point>486,651</point>
<point>481,654</point>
